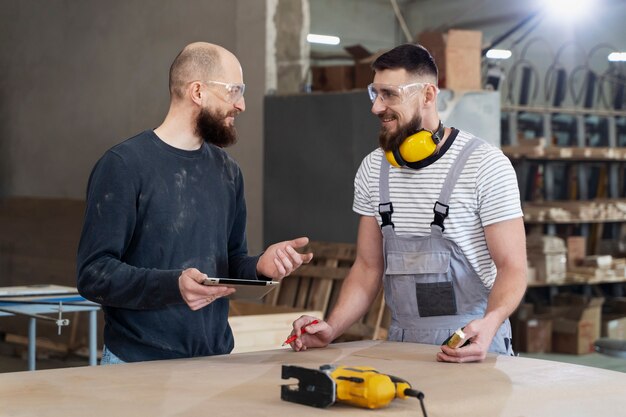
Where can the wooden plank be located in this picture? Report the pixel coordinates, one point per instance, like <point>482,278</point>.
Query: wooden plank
<point>249,308</point>
<point>254,333</point>
<point>319,294</point>
<point>288,291</point>
<point>323,271</point>
<point>320,289</point>
<point>303,292</point>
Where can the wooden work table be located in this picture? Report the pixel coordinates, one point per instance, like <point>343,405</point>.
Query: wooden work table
<point>248,384</point>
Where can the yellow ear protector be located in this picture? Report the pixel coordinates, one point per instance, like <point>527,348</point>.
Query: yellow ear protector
<point>416,147</point>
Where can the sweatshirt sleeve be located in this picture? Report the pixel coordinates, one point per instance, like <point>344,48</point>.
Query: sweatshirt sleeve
<point>110,218</point>
<point>240,264</point>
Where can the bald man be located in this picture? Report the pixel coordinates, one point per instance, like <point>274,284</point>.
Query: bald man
<point>166,209</point>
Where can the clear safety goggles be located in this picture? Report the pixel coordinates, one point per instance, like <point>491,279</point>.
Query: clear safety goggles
<point>394,94</point>
<point>234,91</point>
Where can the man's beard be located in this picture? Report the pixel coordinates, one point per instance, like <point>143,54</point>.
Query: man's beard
<point>210,127</point>
<point>390,141</point>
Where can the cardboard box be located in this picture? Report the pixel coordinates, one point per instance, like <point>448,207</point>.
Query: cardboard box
<point>614,327</point>
<point>547,254</point>
<point>535,335</point>
<point>363,74</point>
<point>332,78</point>
<point>363,60</point>
<point>457,54</point>
<point>573,337</point>
<point>532,333</point>
<point>576,323</point>
<point>549,268</point>
<point>576,250</point>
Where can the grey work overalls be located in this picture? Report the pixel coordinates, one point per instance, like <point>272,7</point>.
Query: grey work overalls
<point>430,286</point>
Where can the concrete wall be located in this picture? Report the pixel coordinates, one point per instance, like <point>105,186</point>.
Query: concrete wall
<point>77,77</point>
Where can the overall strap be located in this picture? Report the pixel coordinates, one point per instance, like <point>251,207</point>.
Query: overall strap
<point>385,208</point>
<point>442,204</point>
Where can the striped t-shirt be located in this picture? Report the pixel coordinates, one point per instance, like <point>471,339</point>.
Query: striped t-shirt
<point>486,193</point>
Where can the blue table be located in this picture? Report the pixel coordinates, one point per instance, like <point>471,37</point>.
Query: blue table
<point>50,306</point>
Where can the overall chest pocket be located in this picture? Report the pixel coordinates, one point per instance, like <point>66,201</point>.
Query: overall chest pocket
<point>418,283</point>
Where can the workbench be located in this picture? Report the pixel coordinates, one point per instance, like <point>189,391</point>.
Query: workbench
<point>248,384</point>
<point>24,300</point>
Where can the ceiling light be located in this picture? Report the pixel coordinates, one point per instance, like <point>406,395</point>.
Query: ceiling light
<point>617,56</point>
<point>568,10</point>
<point>323,39</point>
<point>499,54</point>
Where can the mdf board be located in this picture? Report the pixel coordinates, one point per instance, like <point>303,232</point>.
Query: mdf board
<point>249,384</point>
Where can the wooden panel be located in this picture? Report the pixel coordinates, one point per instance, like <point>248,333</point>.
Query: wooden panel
<point>258,332</point>
<point>316,286</point>
<point>249,384</point>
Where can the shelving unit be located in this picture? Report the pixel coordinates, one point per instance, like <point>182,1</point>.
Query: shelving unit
<point>572,183</point>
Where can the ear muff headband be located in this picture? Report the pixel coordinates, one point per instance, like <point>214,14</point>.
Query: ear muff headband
<point>416,147</point>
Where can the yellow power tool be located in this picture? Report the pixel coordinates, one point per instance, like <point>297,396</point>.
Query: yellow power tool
<point>360,386</point>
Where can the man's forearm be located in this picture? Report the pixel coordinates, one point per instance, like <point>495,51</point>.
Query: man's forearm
<point>506,294</point>
<point>358,291</point>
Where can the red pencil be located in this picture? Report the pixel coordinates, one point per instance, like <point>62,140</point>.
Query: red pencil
<point>303,330</point>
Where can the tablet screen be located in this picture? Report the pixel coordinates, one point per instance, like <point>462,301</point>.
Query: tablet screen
<point>250,289</point>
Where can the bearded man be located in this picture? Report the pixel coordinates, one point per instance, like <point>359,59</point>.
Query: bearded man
<point>441,225</point>
<point>165,209</point>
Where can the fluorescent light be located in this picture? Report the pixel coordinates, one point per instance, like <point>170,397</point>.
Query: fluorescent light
<point>564,10</point>
<point>323,39</point>
<point>499,54</point>
<point>617,56</point>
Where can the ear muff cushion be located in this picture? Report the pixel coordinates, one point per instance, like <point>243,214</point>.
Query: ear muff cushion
<point>392,159</point>
<point>417,146</point>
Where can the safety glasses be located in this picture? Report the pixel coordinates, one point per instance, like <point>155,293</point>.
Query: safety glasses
<point>393,94</point>
<point>234,91</point>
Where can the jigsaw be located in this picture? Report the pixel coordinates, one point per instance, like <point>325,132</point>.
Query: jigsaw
<point>359,386</point>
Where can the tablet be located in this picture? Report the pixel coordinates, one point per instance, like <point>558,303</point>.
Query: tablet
<point>250,289</point>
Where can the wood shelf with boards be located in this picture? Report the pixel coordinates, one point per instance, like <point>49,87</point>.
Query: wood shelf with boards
<point>539,152</point>
<point>572,190</point>
<point>316,286</point>
<point>563,110</point>
<point>567,212</point>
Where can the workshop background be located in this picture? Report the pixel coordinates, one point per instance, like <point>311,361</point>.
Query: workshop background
<point>542,79</point>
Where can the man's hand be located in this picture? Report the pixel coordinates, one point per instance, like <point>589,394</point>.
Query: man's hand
<point>281,259</point>
<point>197,295</point>
<point>317,335</point>
<point>480,333</point>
